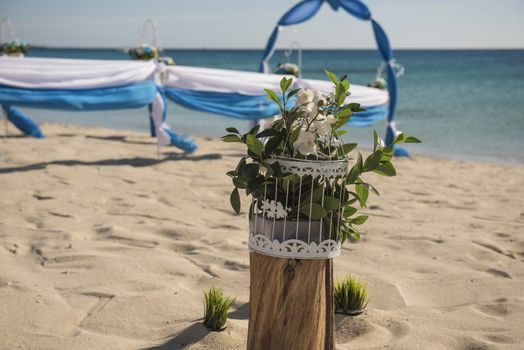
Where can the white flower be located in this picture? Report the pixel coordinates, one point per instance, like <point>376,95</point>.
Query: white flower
<point>322,127</point>
<point>331,119</point>
<point>305,143</point>
<point>305,96</point>
<point>308,100</point>
<point>274,209</point>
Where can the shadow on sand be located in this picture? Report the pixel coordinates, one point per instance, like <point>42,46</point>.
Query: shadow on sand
<point>184,339</point>
<point>196,332</point>
<point>134,162</point>
<point>120,139</point>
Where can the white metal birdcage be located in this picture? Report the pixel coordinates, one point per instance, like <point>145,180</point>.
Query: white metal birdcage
<point>276,229</point>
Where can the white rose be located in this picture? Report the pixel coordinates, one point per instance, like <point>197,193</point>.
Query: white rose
<point>322,127</point>
<point>305,96</point>
<point>331,119</point>
<point>305,143</point>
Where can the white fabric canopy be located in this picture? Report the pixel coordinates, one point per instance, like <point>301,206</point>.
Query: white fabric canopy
<point>71,74</point>
<point>253,84</point>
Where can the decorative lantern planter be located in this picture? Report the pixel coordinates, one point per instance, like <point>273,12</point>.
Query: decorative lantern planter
<point>277,236</point>
<point>274,231</point>
<point>304,197</point>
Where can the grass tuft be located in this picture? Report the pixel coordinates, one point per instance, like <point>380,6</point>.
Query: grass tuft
<point>216,308</point>
<point>350,296</point>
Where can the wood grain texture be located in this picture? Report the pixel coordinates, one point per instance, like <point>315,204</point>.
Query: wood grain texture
<point>291,307</point>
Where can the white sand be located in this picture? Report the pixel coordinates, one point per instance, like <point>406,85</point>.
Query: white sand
<point>103,247</point>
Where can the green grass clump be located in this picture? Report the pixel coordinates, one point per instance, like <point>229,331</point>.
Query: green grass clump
<point>350,296</point>
<point>216,308</point>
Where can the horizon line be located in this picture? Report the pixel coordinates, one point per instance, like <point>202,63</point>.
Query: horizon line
<point>45,47</point>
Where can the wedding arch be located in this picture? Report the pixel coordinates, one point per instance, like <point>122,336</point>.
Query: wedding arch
<point>307,9</point>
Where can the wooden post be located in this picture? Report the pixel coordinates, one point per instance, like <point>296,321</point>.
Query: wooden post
<point>291,304</point>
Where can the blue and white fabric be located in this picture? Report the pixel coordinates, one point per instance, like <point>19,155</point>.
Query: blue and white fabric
<point>306,9</point>
<point>84,85</point>
<point>241,94</point>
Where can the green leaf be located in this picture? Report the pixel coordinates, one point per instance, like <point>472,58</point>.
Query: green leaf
<point>254,130</point>
<point>254,145</point>
<point>376,140</point>
<point>241,163</point>
<point>249,171</point>
<point>235,200</point>
<point>373,160</point>
<point>293,136</point>
<point>385,169</point>
<point>239,183</point>
<point>411,139</point>
<point>232,173</point>
<point>275,168</point>
<point>283,83</point>
<point>359,220</point>
<point>344,82</point>
<point>400,138</point>
<point>272,144</point>
<point>348,147</point>
<point>341,132</point>
<point>348,211</point>
<point>354,106</point>
<point>292,93</point>
<point>344,112</point>
<point>331,203</point>
<point>317,212</point>
<point>267,133</point>
<point>231,138</point>
<point>232,130</point>
<point>370,187</point>
<point>289,181</point>
<point>331,77</point>
<point>355,171</point>
<point>387,154</point>
<point>363,193</point>
<point>341,121</point>
<point>273,96</point>
<point>341,98</point>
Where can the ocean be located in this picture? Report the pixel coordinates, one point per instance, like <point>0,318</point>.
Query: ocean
<point>462,104</point>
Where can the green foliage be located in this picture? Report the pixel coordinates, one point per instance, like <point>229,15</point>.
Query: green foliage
<point>350,296</point>
<point>216,308</point>
<point>259,174</point>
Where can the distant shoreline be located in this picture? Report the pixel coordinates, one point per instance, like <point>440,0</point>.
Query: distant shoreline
<point>278,49</point>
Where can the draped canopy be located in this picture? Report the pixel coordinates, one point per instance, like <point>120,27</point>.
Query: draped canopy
<point>84,85</point>
<point>241,94</point>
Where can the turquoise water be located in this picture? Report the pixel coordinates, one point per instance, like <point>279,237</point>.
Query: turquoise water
<point>462,104</point>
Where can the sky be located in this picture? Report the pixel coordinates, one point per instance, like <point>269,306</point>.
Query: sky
<point>410,24</point>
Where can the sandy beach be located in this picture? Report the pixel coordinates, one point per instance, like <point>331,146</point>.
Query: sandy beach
<point>102,246</point>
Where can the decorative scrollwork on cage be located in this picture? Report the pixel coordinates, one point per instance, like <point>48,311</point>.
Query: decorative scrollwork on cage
<point>283,222</point>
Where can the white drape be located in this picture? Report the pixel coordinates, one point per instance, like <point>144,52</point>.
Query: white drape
<point>71,74</point>
<point>253,84</point>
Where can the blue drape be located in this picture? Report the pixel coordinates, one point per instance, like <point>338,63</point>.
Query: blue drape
<point>228,104</point>
<point>122,97</point>
<point>23,122</point>
<point>307,9</point>
<point>251,107</point>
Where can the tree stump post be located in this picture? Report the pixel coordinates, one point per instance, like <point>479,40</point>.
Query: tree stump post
<point>291,304</point>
